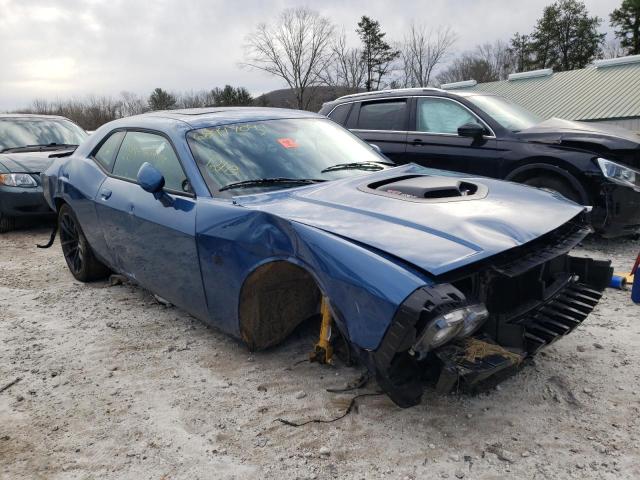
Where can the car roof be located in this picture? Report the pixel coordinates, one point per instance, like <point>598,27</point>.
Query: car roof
<point>215,116</point>
<point>30,115</point>
<point>402,92</point>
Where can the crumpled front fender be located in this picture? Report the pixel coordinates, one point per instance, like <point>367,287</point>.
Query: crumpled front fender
<point>364,287</point>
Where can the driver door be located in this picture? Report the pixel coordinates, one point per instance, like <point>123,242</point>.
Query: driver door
<point>152,241</point>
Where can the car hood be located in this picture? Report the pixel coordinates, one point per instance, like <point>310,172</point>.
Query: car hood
<point>31,162</point>
<point>438,236</point>
<point>559,131</point>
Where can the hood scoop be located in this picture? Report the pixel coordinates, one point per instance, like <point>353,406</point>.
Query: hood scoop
<point>427,188</point>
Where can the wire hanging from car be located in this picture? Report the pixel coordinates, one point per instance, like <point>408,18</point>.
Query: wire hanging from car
<point>360,383</point>
<point>52,238</point>
<point>352,404</point>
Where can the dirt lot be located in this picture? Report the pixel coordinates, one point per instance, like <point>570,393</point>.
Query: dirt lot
<point>115,385</point>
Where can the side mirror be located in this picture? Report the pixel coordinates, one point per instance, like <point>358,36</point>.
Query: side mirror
<point>472,130</point>
<point>376,148</point>
<point>150,179</point>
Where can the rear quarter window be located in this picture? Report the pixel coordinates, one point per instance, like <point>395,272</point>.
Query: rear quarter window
<point>106,154</point>
<point>389,115</point>
<point>340,113</point>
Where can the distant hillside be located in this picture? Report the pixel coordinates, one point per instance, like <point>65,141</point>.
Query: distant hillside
<point>285,98</point>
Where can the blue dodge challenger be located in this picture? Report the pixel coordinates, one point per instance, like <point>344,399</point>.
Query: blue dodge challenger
<point>254,220</point>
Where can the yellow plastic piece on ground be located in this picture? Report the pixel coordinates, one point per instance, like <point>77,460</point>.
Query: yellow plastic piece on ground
<point>323,351</point>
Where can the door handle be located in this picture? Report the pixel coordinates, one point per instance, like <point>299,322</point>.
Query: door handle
<point>105,194</point>
<point>417,140</point>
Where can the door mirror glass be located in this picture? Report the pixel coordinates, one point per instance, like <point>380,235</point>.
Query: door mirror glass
<point>150,178</point>
<point>472,130</point>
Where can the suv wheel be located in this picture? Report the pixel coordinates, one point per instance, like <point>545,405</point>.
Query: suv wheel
<point>554,184</point>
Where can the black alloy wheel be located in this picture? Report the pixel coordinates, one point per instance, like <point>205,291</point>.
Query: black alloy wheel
<point>82,263</point>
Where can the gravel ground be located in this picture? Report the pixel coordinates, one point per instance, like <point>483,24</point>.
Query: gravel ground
<point>115,385</point>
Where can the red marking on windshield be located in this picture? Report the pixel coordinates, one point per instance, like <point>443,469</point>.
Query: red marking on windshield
<point>288,142</point>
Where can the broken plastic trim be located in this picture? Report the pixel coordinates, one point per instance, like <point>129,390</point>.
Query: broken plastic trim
<point>396,371</point>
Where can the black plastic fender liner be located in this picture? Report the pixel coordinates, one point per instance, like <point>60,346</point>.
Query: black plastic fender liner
<point>531,168</point>
<point>397,372</point>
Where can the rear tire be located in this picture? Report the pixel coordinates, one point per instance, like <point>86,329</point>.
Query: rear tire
<point>7,223</point>
<point>82,263</point>
<point>554,184</point>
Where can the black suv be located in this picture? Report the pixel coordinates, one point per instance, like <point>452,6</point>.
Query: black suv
<point>487,135</point>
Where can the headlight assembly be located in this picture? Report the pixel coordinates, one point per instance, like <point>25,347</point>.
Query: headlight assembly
<point>461,322</point>
<point>17,180</point>
<point>620,174</point>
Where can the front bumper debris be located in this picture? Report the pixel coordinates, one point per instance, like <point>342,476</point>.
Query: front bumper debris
<point>475,364</point>
<point>535,296</point>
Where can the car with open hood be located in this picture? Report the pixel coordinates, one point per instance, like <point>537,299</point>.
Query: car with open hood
<point>27,143</point>
<point>483,134</point>
<point>255,219</point>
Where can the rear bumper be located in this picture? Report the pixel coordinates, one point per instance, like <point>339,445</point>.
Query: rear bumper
<point>23,202</point>
<point>619,211</point>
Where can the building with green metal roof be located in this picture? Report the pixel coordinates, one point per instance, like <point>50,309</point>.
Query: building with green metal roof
<point>607,91</point>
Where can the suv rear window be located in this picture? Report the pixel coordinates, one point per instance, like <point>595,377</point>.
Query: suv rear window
<point>390,115</point>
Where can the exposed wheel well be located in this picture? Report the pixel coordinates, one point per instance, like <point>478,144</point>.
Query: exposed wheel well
<point>523,174</point>
<point>275,298</point>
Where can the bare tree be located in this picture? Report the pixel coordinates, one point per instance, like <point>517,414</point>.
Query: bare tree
<point>89,113</point>
<point>132,104</point>
<point>346,68</point>
<point>468,67</point>
<point>612,48</point>
<point>296,48</point>
<point>422,51</point>
<point>193,99</point>
<point>499,56</point>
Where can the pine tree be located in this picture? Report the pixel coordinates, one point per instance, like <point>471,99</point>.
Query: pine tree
<point>566,38</point>
<point>520,50</point>
<point>161,100</point>
<point>626,21</point>
<point>230,96</point>
<point>377,54</point>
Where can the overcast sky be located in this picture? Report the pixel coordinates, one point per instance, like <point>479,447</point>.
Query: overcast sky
<point>71,48</point>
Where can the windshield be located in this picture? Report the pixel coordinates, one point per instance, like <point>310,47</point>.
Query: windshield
<point>306,149</point>
<point>20,132</point>
<point>510,115</point>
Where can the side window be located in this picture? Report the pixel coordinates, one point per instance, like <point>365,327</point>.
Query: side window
<point>340,113</point>
<point>106,154</point>
<point>438,115</point>
<point>140,147</point>
<point>389,115</point>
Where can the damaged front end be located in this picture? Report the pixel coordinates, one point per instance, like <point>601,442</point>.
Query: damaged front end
<point>478,325</point>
